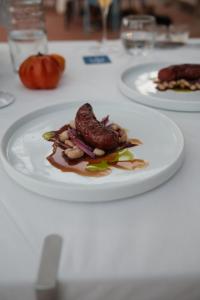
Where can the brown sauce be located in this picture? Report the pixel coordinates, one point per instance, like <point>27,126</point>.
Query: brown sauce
<point>59,161</point>
<point>131,164</point>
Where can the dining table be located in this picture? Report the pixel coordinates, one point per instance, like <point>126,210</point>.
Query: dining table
<point>144,247</point>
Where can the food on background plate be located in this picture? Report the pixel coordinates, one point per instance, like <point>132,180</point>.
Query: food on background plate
<point>181,77</point>
<point>90,147</point>
<point>42,71</point>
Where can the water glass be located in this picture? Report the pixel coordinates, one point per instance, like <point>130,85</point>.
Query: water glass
<point>138,33</point>
<point>26,30</point>
<point>172,36</point>
<point>179,33</point>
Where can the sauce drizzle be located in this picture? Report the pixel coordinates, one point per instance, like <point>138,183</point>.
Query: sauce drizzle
<point>61,162</point>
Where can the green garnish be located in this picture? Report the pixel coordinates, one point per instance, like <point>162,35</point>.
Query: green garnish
<point>124,155</point>
<point>121,155</point>
<point>102,166</point>
<point>153,78</point>
<point>48,135</point>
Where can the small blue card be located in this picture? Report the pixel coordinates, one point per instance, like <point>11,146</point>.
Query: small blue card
<point>100,59</point>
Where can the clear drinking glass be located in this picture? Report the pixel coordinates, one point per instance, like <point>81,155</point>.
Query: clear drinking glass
<point>6,99</point>
<point>26,30</point>
<point>179,33</point>
<point>172,36</point>
<point>104,6</point>
<point>138,33</point>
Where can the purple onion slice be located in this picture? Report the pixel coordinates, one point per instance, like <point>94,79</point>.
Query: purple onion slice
<point>105,120</point>
<point>80,144</point>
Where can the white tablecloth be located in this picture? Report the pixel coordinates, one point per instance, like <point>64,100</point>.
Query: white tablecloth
<point>147,247</point>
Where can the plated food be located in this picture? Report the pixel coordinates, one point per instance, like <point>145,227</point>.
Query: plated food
<point>183,77</point>
<point>90,147</point>
<point>140,84</point>
<point>23,153</point>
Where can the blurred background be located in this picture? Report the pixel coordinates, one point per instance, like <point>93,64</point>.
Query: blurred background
<point>81,19</point>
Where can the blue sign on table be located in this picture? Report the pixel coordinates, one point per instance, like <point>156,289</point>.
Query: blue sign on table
<point>100,59</point>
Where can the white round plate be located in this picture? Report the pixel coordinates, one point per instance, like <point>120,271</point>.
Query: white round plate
<point>137,83</point>
<point>23,152</point>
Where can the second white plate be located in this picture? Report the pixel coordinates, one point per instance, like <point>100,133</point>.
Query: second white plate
<point>137,83</point>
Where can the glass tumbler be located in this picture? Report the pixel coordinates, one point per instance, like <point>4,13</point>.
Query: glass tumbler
<point>26,30</point>
<point>138,33</point>
<point>172,36</point>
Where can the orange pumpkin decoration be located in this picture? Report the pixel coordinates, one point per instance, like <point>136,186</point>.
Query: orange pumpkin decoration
<point>60,59</point>
<point>42,71</point>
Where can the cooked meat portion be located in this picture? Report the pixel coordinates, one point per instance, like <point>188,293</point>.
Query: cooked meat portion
<point>184,71</point>
<point>95,133</point>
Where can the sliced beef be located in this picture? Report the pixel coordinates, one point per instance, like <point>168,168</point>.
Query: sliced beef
<point>93,132</point>
<point>189,72</point>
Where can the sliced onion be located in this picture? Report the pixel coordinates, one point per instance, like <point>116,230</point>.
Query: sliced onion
<point>80,144</point>
<point>105,120</point>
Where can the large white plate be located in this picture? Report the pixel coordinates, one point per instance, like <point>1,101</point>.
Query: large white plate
<point>137,83</point>
<point>23,152</point>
